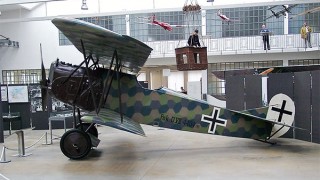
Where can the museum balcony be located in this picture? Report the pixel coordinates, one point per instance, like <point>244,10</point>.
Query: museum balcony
<point>239,45</point>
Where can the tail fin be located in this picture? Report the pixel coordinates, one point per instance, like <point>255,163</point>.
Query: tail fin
<point>281,110</point>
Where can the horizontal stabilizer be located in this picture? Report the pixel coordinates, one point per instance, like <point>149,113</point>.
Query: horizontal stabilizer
<point>112,119</point>
<point>263,119</point>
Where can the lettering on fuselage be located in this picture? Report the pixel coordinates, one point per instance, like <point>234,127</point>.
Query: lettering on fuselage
<point>177,120</point>
<point>173,119</point>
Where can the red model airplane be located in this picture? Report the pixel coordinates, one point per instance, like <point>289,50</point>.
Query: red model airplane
<point>166,26</point>
<point>225,18</point>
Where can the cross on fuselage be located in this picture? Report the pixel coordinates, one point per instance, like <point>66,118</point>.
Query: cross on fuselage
<point>213,120</point>
<point>281,110</point>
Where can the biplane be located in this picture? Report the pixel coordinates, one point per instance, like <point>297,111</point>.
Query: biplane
<point>281,12</point>
<point>105,85</point>
<point>153,21</point>
<point>225,18</point>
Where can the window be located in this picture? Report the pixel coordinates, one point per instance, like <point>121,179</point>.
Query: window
<point>246,22</point>
<point>144,31</point>
<point>313,19</point>
<point>27,76</point>
<point>297,62</point>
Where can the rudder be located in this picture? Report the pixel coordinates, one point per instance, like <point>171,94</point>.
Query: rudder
<point>282,110</point>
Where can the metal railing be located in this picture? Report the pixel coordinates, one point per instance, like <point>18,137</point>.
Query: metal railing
<point>238,45</point>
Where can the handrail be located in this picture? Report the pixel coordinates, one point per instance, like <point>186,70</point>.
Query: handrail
<point>239,45</point>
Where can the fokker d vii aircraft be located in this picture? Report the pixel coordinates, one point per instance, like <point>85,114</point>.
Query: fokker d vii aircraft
<point>281,12</point>
<point>105,85</point>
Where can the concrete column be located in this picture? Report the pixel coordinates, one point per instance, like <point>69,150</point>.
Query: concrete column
<point>128,25</point>
<point>204,23</point>
<point>286,23</point>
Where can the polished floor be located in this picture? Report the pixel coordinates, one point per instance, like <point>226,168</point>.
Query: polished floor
<point>163,154</point>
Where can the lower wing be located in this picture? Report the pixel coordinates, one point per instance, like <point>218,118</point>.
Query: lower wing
<point>112,119</point>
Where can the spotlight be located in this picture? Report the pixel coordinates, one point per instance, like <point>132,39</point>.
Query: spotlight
<point>84,5</point>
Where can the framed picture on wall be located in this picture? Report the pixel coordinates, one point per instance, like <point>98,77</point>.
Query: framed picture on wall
<point>18,94</point>
<point>35,97</point>
<point>4,93</point>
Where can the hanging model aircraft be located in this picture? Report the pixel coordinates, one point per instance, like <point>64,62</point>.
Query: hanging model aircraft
<point>225,18</point>
<point>105,85</point>
<point>153,21</point>
<point>166,26</point>
<point>282,12</point>
<point>306,12</point>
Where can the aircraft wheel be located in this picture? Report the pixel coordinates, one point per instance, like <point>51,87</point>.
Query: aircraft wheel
<point>93,130</point>
<point>75,144</point>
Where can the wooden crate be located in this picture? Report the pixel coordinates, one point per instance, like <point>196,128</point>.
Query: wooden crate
<point>191,58</point>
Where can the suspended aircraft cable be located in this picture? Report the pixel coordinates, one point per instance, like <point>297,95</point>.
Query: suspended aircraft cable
<point>191,12</point>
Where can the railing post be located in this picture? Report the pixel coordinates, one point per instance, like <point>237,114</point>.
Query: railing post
<point>21,149</point>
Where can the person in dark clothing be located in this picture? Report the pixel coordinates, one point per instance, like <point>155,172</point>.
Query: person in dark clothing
<point>194,41</point>
<point>265,37</point>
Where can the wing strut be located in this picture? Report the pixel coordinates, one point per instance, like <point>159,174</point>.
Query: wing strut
<point>107,83</point>
<point>118,69</point>
<point>86,60</point>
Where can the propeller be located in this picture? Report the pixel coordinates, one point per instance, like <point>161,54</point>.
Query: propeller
<point>43,84</point>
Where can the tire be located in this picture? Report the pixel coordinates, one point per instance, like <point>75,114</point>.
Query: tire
<point>75,144</point>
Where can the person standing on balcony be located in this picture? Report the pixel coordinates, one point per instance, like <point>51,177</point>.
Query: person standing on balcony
<point>265,37</point>
<point>305,32</point>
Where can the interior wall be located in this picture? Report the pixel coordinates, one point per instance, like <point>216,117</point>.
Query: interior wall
<point>156,79</point>
<point>30,35</point>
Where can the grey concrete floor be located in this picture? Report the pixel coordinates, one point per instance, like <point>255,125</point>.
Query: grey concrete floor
<point>164,154</point>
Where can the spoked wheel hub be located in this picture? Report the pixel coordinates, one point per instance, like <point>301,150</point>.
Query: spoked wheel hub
<point>75,144</point>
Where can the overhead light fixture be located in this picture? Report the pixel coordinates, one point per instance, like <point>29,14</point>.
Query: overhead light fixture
<point>84,5</point>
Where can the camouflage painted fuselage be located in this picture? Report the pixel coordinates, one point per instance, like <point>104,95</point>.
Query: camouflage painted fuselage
<point>161,107</point>
<point>174,110</point>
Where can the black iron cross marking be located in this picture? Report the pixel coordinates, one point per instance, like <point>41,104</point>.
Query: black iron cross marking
<point>214,120</point>
<point>282,110</point>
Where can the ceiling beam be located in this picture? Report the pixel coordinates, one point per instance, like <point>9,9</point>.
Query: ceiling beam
<point>11,2</point>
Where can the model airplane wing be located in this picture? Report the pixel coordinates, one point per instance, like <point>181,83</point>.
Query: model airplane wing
<point>101,43</point>
<point>269,17</point>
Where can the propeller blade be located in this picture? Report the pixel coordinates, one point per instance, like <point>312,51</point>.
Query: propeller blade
<point>43,84</point>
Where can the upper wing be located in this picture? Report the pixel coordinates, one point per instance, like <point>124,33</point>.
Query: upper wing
<point>272,7</point>
<point>269,17</point>
<point>290,7</point>
<point>101,43</point>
